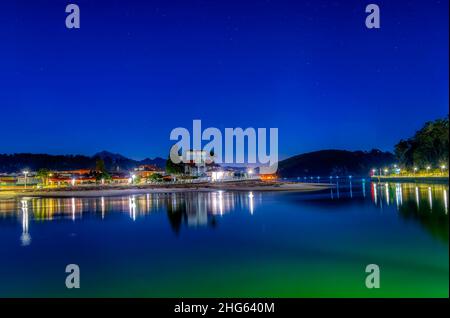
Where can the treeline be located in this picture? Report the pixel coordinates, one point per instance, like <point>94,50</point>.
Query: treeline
<point>18,162</point>
<point>334,163</point>
<point>10,163</point>
<point>429,146</point>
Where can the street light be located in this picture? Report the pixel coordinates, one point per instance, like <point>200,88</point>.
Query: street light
<point>26,172</point>
<point>133,177</point>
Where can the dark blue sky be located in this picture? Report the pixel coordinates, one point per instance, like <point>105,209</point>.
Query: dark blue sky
<point>137,69</point>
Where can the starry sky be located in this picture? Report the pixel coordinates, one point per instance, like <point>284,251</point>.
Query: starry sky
<point>137,69</point>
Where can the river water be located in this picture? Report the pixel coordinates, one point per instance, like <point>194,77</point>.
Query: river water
<point>230,244</point>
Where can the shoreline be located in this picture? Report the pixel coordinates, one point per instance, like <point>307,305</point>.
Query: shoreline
<point>412,179</point>
<point>102,191</point>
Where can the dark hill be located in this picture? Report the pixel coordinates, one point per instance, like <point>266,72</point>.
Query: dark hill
<point>17,162</point>
<point>334,162</point>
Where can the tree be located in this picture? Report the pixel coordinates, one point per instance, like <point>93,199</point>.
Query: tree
<point>102,176</point>
<point>100,170</point>
<point>429,145</point>
<point>155,177</point>
<point>174,168</point>
<point>404,152</point>
<point>100,165</point>
<point>43,174</point>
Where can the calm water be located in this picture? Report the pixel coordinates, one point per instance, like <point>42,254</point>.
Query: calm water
<point>230,243</point>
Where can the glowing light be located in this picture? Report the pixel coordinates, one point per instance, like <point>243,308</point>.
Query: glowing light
<point>375,196</point>
<point>26,172</point>
<point>132,206</point>
<point>398,195</point>
<point>73,209</point>
<point>250,196</point>
<point>430,198</point>
<point>387,193</point>
<point>103,207</point>
<point>364,188</point>
<point>445,201</point>
<point>25,238</point>
<point>217,175</point>
<point>220,202</point>
<point>417,196</point>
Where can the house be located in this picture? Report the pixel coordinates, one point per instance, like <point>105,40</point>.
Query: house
<point>268,177</point>
<point>145,171</point>
<point>218,174</point>
<point>196,162</point>
<point>8,180</point>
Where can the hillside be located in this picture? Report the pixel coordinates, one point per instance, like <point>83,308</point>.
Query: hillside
<point>17,162</point>
<point>334,162</point>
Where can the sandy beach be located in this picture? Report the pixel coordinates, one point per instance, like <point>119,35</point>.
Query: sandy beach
<point>95,191</point>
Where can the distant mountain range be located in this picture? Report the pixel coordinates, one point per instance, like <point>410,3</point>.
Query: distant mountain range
<point>114,162</point>
<point>334,162</point>
<point>318,163</point>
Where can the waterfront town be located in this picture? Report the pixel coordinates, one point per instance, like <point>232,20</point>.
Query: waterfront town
<point>197,169</point>
<point>192,171</point>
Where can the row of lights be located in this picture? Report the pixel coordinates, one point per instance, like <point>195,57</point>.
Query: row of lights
<point>443,167</point>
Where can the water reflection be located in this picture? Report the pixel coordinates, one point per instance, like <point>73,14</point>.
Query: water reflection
<point>191,209</point>
<point>25,238</point>
<point>424,203</point>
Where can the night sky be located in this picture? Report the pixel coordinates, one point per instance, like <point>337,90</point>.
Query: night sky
<point>137,69</point>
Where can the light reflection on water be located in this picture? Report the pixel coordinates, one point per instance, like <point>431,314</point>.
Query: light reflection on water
<point>425,203</point>
<point>263,244</point>
<point>193,209</point>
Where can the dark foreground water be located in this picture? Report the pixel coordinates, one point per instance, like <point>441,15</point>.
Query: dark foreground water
<point>230,243</point>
